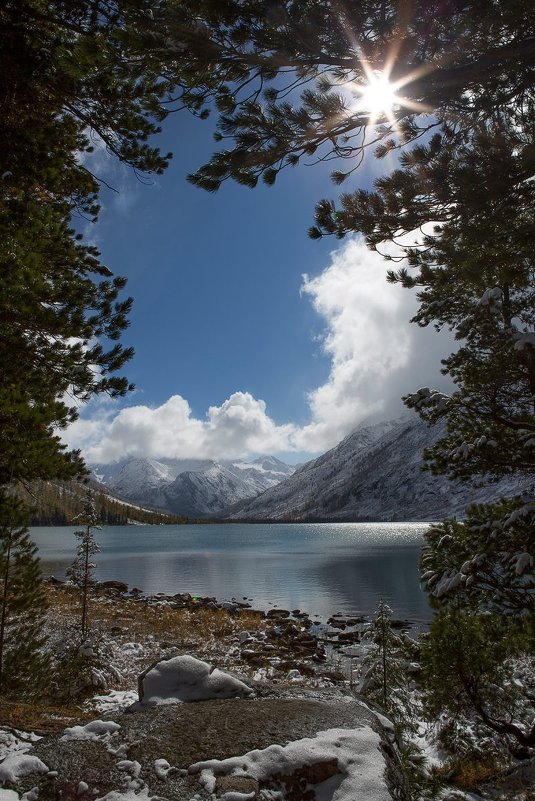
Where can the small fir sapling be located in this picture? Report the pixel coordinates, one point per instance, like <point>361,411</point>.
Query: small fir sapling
<point>24,664</point>
<point>386,678</point>
<point>81,570</point>
<point>384,675</point>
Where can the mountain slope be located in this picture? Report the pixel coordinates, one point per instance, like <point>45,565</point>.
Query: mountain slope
<point>191,487</point>
<point>206,493</point>
<point>367,478</point>
<point>58,503</point>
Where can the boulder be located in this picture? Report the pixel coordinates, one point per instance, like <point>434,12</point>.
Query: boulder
<point>185,678</point>
<point>287,738</point>
<point>119,586</point>
<point>277,614</point>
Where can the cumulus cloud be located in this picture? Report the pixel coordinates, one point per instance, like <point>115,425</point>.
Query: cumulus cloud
<point>237,427</point>
<point>376,356</point>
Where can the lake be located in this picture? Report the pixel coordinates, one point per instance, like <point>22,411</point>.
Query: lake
<point>321,568</point>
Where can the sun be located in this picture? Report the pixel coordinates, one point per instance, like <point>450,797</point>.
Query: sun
<point>378,96</point>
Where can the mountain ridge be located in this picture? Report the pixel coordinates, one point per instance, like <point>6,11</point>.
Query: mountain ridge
<point>367,478</point>
<point>192,487</point>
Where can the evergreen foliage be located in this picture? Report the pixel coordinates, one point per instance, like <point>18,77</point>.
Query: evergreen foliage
<point>71,74</point>
<point>385,678</point>
<point>479,669</point>
<point>284,79</point>
<point>81,572</point>
<point>484,563</point>
<point>24,665</point>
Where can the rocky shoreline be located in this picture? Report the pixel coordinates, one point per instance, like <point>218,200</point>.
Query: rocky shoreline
<point>291,640</point>
<point>301,730</point>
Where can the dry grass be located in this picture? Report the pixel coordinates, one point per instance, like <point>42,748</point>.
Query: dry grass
<point>469,772</point>
<point>142,620</point>
<point>39,717</point>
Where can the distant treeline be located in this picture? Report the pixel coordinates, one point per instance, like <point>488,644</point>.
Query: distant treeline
<point>58,503</point>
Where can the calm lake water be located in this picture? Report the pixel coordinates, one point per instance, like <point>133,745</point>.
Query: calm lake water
<point>321,568</point>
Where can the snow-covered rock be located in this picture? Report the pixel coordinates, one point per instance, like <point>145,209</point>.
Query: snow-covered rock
<point>16,766</point>
<point>159,738</point>
<point>349,761</point>
<point>185,678</point>
<point>96,730</point>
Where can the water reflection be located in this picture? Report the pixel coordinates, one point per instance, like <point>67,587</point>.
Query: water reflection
<point>361,581</point>
<point>320,568</point>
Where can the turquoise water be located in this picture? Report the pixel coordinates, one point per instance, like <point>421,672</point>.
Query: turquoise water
<point>321,568</point>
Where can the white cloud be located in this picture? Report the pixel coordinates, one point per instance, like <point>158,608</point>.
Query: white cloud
<point>376,356</point>
<point>240,425</point>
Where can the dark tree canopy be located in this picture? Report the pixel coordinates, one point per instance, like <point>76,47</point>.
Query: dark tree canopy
<point>69,71</point>
<point>283,77</point>
<point>287,71</point>
<point>24,664</point>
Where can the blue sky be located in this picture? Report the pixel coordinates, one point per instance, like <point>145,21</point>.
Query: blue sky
<point>236,352</point>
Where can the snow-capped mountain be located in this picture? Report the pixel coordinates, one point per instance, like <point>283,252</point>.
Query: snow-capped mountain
<point>373,474</point>
<point>192,487</point>
<point>143,480</point>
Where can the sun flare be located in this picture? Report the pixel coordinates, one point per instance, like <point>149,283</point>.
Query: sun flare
<point>378,96</point>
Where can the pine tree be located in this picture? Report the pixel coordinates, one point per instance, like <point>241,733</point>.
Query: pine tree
<point>81,570</point>
<point>485,563</point>
<point>478,672</point>
<point>287,81</point>
<point>24,664</point>
<point>384,677</point>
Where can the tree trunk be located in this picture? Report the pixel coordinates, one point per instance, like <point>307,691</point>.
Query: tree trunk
<point>85,586</point>
<point>3,616</point>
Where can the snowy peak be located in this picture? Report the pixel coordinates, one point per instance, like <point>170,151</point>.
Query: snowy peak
<point>266,471</point>
<point>207,492</point>
<point>270,464</point>
<point>142,479</point>
<point>192,487</point>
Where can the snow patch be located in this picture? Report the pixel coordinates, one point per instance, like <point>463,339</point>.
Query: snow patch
<point>360,764</point>
<point>13,740</point>
<point>114,701</point>
<point>95,730</point>
<point>162,768</point>
<point>129,795</point>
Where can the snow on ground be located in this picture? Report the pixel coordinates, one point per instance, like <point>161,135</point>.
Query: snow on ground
<point>113,701</point>
<point>16,763</point>
<point>358,764</point>
<point>129,795</point>
<point>185,678</point>
<point>99,731</point>
<point>13,740</point>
